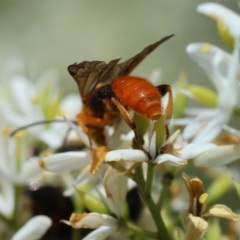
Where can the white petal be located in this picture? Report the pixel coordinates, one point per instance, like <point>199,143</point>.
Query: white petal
<point>212,59</point>
<point>22,90</point>
<point>212,129</point>
<point>116,190</point>
<point>232,130</point>
<point>181,122</point>
<point>101,233</point>
<point>54,137</point>
<point>152,145</point>
<point>172,138</point>
<point>79,132</point>
<point>128,155</point>
<point>71,105</point>
<point>64,162</point>
<point>155,76</point>
<point>192,150</point>
<point>206,126</point>
<point>216,11</point>
<point>219,156</point>
<point>34,229</point>
<point>115,140</point>
<point>169,160</point>
<point>29,169</point>
<point>193,112</point>
<point>6,197</point>
<point>92,220</point>
<point>81,179</point>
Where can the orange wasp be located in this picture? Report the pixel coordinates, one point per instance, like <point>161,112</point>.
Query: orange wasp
<point>108,92</point>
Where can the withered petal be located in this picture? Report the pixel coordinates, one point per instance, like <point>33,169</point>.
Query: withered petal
<point>222,211</point>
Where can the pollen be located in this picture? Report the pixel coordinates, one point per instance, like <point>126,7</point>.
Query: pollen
<point>20,134</point>
<point>46,153</point>
<point>35,100</point>
<point>217,18</point>
<point>206,48</point>
<point>61,113</point>
<point>42,164</point>
<point>6,131</point>
<point>203,198</point>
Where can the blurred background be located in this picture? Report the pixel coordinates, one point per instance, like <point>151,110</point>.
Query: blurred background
<point>54,34</point>
<point>57,33</point>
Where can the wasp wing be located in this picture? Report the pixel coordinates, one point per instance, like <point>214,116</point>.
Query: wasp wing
<point>125,68</point>
<point>128,66</point>
<point>88,74</point>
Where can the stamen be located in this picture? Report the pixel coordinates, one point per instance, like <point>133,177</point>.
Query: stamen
<point>179,145</point>
<point>203,198</point>
<point>39,123</point>
<point>6,131</point>
<point>206,48</point>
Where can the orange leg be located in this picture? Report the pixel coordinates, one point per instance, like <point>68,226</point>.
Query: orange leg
<point>93,127</point>
<point>124,113</point>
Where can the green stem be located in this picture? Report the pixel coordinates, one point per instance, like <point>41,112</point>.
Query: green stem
<point>166,183</point>
<point>237,112</point>
<point>121,169</point>
<point>154,210</point>
<point>139,231</point>
<point>76,234</point>
<point>6,220</point>
<point>139,179</point>
<point>15,222</point>
<point>150,175</point>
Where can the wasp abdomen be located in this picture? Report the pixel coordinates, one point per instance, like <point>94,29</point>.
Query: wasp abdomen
<point>139,95</point>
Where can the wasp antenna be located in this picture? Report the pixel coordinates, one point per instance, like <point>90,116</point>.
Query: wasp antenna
<point>38,123</point>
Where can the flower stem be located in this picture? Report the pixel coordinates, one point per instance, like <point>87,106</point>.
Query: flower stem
<point>139,179</point>
<point>166,183</point>
<point>122,169</point>
<point>6,220</point>
<point>15,223</point>
<point>139,231</point>
<point>154,210</point>
<point>150,175</point>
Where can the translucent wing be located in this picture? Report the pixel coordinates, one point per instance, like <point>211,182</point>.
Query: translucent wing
<point>128,66</point>
<point>89,74</point>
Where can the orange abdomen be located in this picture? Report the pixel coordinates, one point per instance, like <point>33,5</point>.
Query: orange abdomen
<point>139,95</point>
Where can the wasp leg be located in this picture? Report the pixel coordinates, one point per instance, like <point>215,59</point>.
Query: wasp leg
<point>124,113</point>
<point>85,129</point>
<point>93,127</point>
<point>163,89</point>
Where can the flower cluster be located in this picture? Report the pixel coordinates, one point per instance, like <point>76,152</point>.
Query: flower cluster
<point>52,145</point>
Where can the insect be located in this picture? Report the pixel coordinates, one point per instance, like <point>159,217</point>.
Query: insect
<point>108,92</point>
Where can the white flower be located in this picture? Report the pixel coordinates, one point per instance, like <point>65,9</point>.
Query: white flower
<point>219,156</point>
<point>222,14</point>
<point>173,152</point>
<point>15,166</point>
<point>6,197</point>
<point>23,103</point>
<point>116,189</point>
<point>65,162</point>
<point>34,229</point>
<point>223,70</point>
